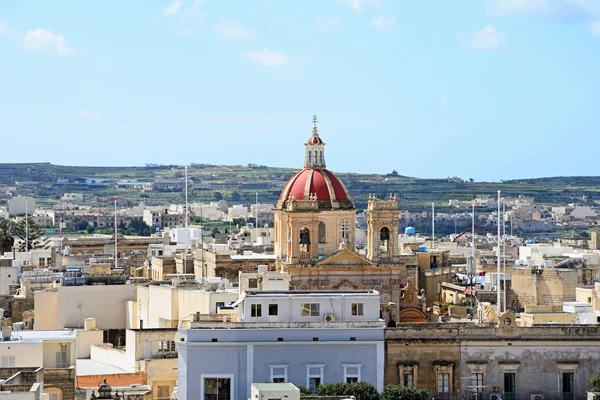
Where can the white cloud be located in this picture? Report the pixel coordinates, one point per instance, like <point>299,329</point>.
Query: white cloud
<point>595,28</point>
<point>382,23</point>
<point>172,8</point>
<point>43,40</point>
<point>489,38</point>
<point>326,23</point>
<point>358,5</point>
<point>3,29</point>
<point>232,30</point>
<point>444,101</point>
<point>88,114</point>
<point>565,10</point>
<point>193,10</point>
<point>267,57</point>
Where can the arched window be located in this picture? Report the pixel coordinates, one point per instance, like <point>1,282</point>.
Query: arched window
<point>322,232</point>
<point>321,160</point>
<point>304,237</point>
<point>310,157</point>
<point>345,229</point>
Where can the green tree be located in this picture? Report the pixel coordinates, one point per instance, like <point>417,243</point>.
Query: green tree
<point>360,390</point>
<point>139,227</point>
<point>30,231</point>
<point>90,229</point>
<point>218,196</point>
<point>235,196</point>
<point>397,392</point>
<point>595,383</point>
<point>7,239</point>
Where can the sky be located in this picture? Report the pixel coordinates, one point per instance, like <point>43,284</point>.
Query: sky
<point>482,89</point>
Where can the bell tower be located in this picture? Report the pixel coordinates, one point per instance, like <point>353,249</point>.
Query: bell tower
<point>314,154</point>
<point>383,218</point>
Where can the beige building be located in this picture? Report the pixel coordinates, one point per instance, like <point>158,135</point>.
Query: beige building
<point>150,351</point>
<point>51,353</point>
<point>263,280</point>
<point>69,306</point>
<point>167,306</point>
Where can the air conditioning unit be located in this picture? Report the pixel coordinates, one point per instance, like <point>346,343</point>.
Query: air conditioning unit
<point>493,288</point>
<point>495,396</point>
<point>538,396</point>
<point>329,317</point>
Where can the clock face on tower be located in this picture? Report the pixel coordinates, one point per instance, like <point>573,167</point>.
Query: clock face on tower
<point>507,321</point>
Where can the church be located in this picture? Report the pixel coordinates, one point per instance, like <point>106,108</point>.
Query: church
<point>315,239</point>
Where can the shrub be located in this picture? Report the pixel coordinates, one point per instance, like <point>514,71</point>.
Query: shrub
<point>360,390</point>
<point>396,392</point>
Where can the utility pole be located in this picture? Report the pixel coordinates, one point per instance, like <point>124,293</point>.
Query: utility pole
<point>187,231</point>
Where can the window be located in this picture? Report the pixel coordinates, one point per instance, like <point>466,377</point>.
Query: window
<point>322,232</point>
<point>163,392</point>
<point>310,310</point>
<point>408,379</point>
<point>273,309</point>
<point>408,374</point>
<point>219,304</point>
<point>253,283</point>
<point>509,382</point>
<point>357,309</point>
<point>314,376</point>
<point>165,346</point>
<point>352,373</point>
<point>477,381</point>
<point>345,229</point>
<point>568,388</point>
<point>443,383</point>
<point>53,396</point>
<point>278,373</point>
<point>217,387</point>
<point>256,310</point>
<point>8,361</point>
<point>310,157</point>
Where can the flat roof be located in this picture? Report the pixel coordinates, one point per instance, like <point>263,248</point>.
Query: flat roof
<point>93,367</point>
<point>309,292</point>
<point>65,334</point>
<point>275,386</point>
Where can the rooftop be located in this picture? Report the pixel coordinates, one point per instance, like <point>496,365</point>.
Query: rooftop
<point>275,386</point>
<point>93,367</point>
<point>28,335</point>
<point>312,293</point>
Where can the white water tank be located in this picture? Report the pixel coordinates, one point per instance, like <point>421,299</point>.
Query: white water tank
<point>89,324</point>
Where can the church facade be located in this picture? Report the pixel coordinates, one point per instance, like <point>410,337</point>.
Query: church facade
<point>315,239</point>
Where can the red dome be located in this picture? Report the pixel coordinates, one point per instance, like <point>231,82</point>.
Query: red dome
<point>315,139</point>
<point>321,182</point>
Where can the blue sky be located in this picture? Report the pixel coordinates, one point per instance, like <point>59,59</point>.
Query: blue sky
<point>479,89</point>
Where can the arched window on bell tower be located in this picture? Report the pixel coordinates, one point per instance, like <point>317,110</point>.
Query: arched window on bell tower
<point>315,149</point>
<point>322,232</point>
<point>345,230</point>
<point>384,238</point>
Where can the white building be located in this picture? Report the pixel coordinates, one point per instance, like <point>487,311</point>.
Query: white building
<point>309,306</point>
<point>9,275</point>
<point>211,212</point>
<point>21,205</point>
<point>237,211</point>
<point>72,197</point>
<point>185,236</point>
<point>263,280</point>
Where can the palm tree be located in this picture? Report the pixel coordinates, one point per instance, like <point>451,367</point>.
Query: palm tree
<point>7,240</point>
<point>30,238</point>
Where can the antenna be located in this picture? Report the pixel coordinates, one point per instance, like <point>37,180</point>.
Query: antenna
<point>187,231</point>
<point>498,298</point>
<point>433,225</point>
<point>504,251</point>
<point>26,226</point>
<point>116,253</point>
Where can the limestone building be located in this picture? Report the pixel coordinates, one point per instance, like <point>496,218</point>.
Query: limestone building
<point>314,221</point>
